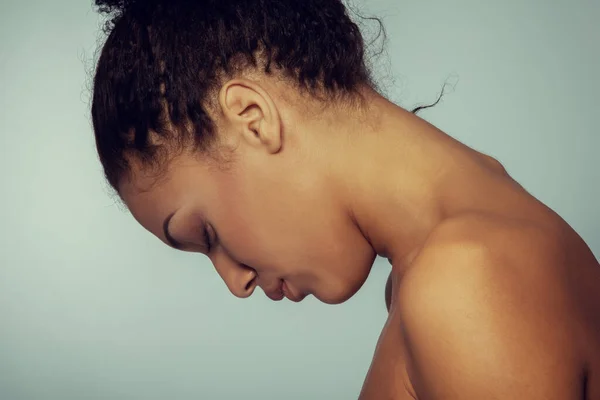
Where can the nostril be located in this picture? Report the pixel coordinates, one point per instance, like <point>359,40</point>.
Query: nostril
<point>250,284</point>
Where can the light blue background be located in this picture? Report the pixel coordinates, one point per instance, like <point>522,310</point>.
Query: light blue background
<point>94,307</point>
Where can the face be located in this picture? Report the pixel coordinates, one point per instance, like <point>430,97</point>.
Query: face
<point>271,219</point>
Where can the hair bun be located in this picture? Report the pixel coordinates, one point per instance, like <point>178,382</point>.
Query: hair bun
<point>109,6</point>
<point>121,6</point>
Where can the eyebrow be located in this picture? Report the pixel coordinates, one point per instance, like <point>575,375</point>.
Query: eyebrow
<point>174,243</point>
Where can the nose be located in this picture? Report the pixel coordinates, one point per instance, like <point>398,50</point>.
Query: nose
<point>239,278</point>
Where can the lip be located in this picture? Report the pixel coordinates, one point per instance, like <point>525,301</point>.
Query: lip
<point>276,295</point>
<point>283,290</point>
<point>287,292</point>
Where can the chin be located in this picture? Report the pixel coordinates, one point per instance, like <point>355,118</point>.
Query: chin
<point>342,288</point>
<point>333,301</point>
<point>339,297</point>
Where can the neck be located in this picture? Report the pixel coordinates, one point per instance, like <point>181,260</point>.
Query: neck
<point>421,178</point>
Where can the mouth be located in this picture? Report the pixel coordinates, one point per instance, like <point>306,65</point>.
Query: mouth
<point>287,292</point>
<point>283,290</point>
<point>277,294</point>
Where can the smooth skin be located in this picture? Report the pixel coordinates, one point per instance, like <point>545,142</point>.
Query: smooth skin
<point>492,295</point>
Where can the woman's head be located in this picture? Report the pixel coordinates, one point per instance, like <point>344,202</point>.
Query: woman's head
<point>203,114</point>
<point>164,61</point>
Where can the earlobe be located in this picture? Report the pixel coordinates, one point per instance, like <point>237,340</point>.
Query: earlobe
<point>250,110</point>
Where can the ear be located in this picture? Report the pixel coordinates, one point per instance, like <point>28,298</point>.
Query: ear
<point>250,112</point>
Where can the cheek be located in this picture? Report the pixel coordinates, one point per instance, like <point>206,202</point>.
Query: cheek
<point>234,227</point>
<point>242,221</point>
<point>269,227</point>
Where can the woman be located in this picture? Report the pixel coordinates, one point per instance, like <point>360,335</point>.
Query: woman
<point>251,131</point>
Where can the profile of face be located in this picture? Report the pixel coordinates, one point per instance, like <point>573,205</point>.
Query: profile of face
<point>272,217</point>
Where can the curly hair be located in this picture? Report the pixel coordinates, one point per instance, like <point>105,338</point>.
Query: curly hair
<point>163,58</point>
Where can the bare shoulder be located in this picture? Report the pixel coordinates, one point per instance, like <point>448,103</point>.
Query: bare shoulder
<point>496,266</point>
<point>481,319</point>
<point>492,267</point>
<point>499,265</point>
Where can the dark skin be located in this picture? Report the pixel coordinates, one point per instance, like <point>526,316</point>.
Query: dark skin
<point>491,296</point>
<point>559,266</point>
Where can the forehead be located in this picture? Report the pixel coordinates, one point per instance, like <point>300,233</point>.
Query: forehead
<point>151,197</point>
<point>147,202</point>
